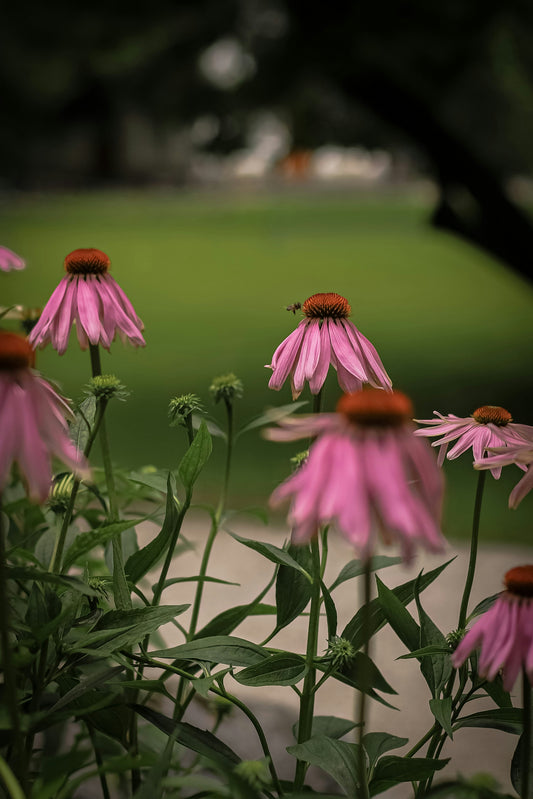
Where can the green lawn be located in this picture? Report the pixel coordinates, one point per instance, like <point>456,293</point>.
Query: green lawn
<point>211,274</point>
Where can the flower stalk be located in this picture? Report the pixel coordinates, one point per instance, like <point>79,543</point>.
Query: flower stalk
<point>307,700</point>
<point>361,710</point>
<point>526,737</point>
<point>474,541</point>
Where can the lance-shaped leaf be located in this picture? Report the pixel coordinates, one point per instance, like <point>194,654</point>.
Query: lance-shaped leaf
<point>225,649</point>
<point>195,458</point>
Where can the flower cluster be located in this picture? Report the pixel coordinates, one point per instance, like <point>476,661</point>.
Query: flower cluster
<point>327,337</point>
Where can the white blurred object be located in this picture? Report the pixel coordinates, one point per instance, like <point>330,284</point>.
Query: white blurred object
<point>332,163</point>
<point>226,64</point>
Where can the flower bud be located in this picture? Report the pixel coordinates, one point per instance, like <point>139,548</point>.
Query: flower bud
<point>340,651</point>
<point>254,772</point>
<point>181,408</point>
<point>105,387</point>
<point>227,387</point>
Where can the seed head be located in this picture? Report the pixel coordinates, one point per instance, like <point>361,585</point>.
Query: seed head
<point>454,638</point>
<point>519,581</point>
<point>15,352</point>
<point>328,305</point>
<point>373,407</point>
<point>87,261</point>
<point>492,414</point>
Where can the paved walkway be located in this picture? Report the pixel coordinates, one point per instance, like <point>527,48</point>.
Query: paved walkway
<point>472,751</point>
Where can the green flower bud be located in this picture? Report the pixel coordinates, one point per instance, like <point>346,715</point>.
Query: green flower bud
<point>60,493</point>
<point>299,459</point>
<point>106,387</point>
<point>227,387</point>
<point>254,772</point>
<point>181,408</point>
<point>340,651</point>
<point>454,638</point>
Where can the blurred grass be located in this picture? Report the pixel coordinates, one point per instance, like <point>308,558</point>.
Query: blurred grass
<point>211,275</point>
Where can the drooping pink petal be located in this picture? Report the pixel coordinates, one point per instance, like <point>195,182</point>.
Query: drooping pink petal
<point>40,334</point>
<point>284,358</point>
<point>377,375</point>
<point>344,351</point>
<point>317,380</point>
<point>89,310</point>
<point>10,261</point>
<point>308,356</point>
<point>521,489</point>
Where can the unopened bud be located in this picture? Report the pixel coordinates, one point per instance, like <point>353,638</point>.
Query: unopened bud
<point>106,387</point>
<point>227,387</point>
<point>181,408</point>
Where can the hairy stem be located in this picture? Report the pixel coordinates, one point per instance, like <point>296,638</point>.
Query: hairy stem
<point>307,700</point>
<point>361,712</point>
<point>463,613</point>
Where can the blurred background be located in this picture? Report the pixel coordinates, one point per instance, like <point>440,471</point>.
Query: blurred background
<point>236,156</point>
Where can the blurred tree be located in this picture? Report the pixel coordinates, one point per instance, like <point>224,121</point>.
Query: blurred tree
<point>452,81</point>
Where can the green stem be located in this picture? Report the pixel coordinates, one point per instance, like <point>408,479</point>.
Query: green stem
<point>57,557</point>
<point>121,591</point>
<point>99,762</point>
<point>214,525</point>
<point>473,549</point>
<point>526,736</point>
<point>307,700</point>
<point>10,680</point>
<point>10,781</point>
<point>361,714</point>
<point>422,741</point>
<point>170,551</point>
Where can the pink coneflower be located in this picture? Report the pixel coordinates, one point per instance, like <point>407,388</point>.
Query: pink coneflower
<point>505,632</point>
<point>489,426</point>
<point>89,296</point>
<point>520,454</point>
<point>366,472</point>
<point>10,261</point>
<point>33,421</point>
<point>324,337</point>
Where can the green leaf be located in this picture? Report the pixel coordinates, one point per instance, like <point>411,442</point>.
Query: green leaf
<point>195,458</point>
<point>483,606</point>
<point>85,542</point>
<point>228,620</point>
<point>361,672</point>
<point>120,629</point>
<point>154,480</point>
<point>271,416</point>
<point>281,669</point>
<point>442,710</point>
<point>377,743</point>
<point>65,580</point>
<point>330,726</point>
<point>273,553</point>
<point>507,719</point>
<point>426,651</point>
<point>398,616</point>
<point>331,611</point>
<point>462,789</point>
<point>391,770</point>
<point>80,428</point>
<point>293,590</point>
<point>43,607</point>
<point>142,561</point>
<point>517,769</point>
<point>337,758</point>
<point>175,580</point>
<point>405,593</point>
<point>84,686</point>
<point>496,692</point>
<point>436,669</point>
<point>217,649</point>
<point>200,741</point>
<point>357,567</point>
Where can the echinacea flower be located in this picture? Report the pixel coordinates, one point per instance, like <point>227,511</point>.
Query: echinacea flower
<point>33,421</point>
<point>89,296</point>
<point>520,454</point>
<point>10,261</point>
<point>504,632</point>
<point>326,336</point>
<point>365,473</point>
<point>489,426</point>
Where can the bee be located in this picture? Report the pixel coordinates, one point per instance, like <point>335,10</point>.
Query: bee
<point>294,307</point>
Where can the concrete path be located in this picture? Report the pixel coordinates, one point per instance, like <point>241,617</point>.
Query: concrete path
<point>473,751</point>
